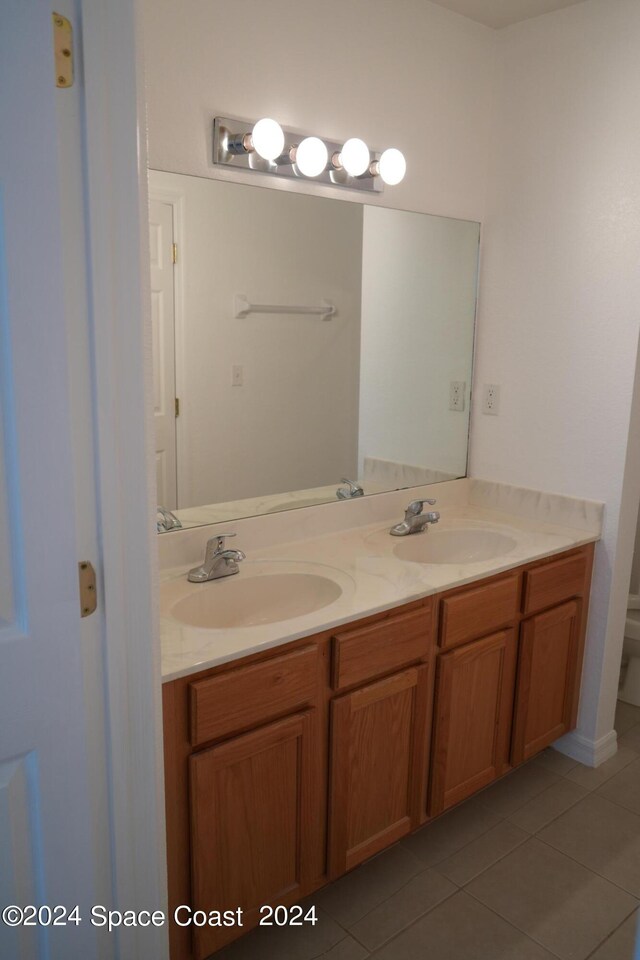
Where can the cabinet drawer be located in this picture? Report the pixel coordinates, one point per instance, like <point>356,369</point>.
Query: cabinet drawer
<point>360,655</point>
<point>554,582</point>
<point>473,613</point>
<point>252,695</point>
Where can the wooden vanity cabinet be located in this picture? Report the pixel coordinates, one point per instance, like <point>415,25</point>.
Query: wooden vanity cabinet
<point>379,737</point>
<point>547,679</point>
<point>378,766</point>
<point>500,699</point>
<point>246,781</point>
<point>472,722</point>
<point>252,816</point>
<point>290,767</point>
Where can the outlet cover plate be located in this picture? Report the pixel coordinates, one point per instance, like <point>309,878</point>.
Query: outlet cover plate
<point>491,399</point>
<point>457,391</point>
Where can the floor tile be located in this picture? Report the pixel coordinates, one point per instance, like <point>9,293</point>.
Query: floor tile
<point>624,944</point>
<point>286,943</point>
<point>462,929</point>
<point>415,899</point>
<point>351,897</point>
<point>517,788</point>
<point>548,805</point>
<point>553,899</point>
<point>603,836</point>
<point>631,739</point>
<point>347,949</point>
<point>555,761</point>
<point>482,853</point>
<point>624,787</point>
<point>627,716</point>
<point>594,777</point>
<point>450,832</point>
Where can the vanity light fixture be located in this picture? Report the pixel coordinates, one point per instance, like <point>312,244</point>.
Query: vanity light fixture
<point>354,157</point>
<point>266,138</point>
<point>391,166</point>
<point>310,156</point>
<point>266,147</point>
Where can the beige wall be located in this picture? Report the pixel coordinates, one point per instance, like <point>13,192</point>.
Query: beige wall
<point>559,321</point>
<point>408,74</point>
<point>419,278</point>
<point>293,424</point>
<point>560,288</point>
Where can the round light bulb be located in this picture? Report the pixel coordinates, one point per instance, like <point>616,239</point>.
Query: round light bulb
<point>392,166</point>
<point>311,156</point>
<point>267,138</point>
<point>355,156</point>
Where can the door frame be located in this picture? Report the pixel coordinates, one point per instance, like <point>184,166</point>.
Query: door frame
<point>120,304</point>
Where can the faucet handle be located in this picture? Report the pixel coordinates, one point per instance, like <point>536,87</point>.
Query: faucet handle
<point>354,489</point>
<point>415,507</point>
<point>166,520</point>
<point>215,544</point>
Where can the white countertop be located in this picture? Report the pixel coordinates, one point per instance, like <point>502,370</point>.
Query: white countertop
<point>372,578</point>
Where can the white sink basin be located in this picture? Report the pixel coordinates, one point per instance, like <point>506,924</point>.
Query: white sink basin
<point>248,599</point>
<point>454,546</point>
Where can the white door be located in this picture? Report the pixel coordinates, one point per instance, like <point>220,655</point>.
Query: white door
<point>47,840</point>
<point>164,359</point>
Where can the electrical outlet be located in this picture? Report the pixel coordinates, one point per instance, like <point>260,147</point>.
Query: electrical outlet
<point>457,389</point>
<point>491,399</point>
<point>237,375</point>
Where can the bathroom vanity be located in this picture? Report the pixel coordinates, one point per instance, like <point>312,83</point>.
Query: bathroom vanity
<point>344,686</point>
<point>287,767</point>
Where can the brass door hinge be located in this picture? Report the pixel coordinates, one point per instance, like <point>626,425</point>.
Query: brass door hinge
<point>174,252</point>
<point>63,50</point>
<point>88,598</point>
<point>177,407</point>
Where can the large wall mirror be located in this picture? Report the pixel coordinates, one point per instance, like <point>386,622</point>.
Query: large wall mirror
<point>300,340</point>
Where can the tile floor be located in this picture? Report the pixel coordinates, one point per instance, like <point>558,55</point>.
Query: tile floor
<point>543,864</point>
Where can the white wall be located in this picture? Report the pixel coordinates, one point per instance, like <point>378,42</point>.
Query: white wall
<point>409,74</point>
<point>293,424</point>
<point>560,286</point>
<point>418,308</point>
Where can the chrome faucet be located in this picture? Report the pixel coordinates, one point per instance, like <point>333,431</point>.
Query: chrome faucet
<point>415,520</point>
<point>218,562</point>
<point>347,493</point>
<point>165,520</point>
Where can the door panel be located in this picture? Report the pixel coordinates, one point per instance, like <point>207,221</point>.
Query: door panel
<point>48,842</point>
<point>472,720</point>
<point>377,768</point>
<point>252,818</point>
<point>163,352</point>
<point>547,676</point>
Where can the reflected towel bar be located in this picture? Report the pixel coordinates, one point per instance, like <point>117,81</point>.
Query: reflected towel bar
<point>243,308</point>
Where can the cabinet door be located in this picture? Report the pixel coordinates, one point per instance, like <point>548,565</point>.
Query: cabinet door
<point>473,711</point>
<point>378,765</point>
<point>547,678</point>
<point>252,816</point>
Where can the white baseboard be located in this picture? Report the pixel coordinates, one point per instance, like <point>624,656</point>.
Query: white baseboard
<point>590,752</point>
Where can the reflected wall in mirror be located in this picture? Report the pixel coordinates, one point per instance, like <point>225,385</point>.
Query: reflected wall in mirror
<point>358,366</point>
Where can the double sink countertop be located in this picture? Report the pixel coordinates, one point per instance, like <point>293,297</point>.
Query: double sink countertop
<point>305,574</point>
